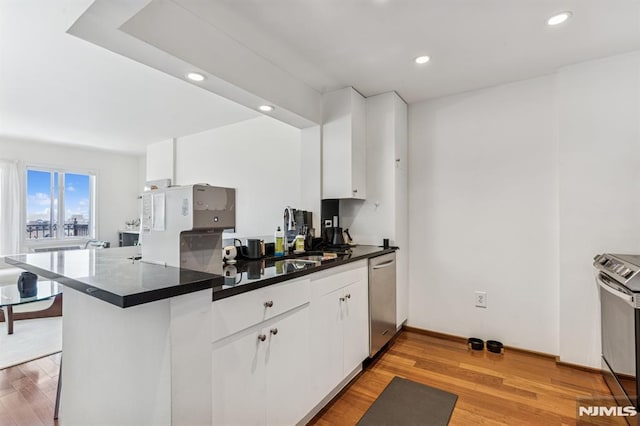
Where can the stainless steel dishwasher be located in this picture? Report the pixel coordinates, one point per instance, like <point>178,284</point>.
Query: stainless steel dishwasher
<point>382,301</point>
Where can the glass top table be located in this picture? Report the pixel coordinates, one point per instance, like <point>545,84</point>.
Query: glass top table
<point>10,297</point>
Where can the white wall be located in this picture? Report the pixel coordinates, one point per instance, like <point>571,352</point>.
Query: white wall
<point>311,173</point>
<point>513,190</point>
<point>116,175</point>
<point>599,133</point>
<point>483,214</point>
<point>259,157</point>
<point>142,171</point>
<point>160,162</point>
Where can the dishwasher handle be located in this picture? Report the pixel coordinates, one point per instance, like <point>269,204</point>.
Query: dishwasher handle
<point>384,264</point>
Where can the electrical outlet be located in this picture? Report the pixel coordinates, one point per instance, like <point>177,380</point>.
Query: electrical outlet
<point>481,299</point>
<point>328,223</point>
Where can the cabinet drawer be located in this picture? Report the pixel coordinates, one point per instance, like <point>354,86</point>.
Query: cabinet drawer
<point>333,279</point>
<point>236,313</point>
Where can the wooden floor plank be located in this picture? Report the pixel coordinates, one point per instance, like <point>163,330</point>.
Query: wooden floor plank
<point>516,388</point>
<point>26,392</point>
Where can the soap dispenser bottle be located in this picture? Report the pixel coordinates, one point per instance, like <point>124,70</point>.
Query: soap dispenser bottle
<point>298,244</point>
<point>279,242</point>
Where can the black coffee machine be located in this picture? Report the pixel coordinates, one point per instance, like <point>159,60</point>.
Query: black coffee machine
<point>297,222</point>
<point>334,237</point>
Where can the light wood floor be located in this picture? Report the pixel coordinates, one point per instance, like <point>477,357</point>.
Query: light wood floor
<point>28,392</point>
<point>516,388</point>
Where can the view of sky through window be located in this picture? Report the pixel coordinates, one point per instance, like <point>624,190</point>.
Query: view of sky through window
<point>42,196</point>
<point>76,198</point>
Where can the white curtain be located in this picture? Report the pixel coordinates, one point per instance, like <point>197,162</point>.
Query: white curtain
<point>9,208</point>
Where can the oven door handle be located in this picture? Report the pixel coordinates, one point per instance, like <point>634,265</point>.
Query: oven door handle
<point>614,291</point>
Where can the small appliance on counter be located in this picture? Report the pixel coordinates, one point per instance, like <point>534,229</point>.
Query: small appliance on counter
<point>335,238</point>
<point>255,249</point>
<point>229,254</point>
<point>297,222</point>
<point>298,231</point>
<point>182,226</point>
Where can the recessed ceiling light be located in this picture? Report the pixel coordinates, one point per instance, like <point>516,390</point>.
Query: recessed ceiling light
<point>265,108</point>
<point>559,18</point>
<point>422,60</point>
<point>195,76</point>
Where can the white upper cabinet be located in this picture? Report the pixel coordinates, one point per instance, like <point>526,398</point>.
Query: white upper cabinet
<point>343,145</point>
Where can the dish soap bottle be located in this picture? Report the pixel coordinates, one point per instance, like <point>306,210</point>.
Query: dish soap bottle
<point>279,242</point>
<point>299,244</point>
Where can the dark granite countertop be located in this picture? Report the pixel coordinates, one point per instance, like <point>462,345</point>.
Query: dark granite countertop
<point>253,274</point>
<point>111,275</point>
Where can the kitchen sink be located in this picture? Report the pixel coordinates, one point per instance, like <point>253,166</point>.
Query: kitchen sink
<point>310,258</point>
<point>300,261</point>
<point>306,258</point>
<point>316,256</point>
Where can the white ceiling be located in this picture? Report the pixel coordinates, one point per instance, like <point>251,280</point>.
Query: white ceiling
<point>58,88</point>
<point>371,44</point>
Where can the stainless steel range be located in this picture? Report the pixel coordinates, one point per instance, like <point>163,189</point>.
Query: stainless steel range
<point>619,284</point>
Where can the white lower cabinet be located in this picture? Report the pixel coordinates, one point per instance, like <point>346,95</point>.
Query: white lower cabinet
<point>287,356</point>
<point>326,343</point>
<point>283,363</point>
<point>355,310</point>
<point>339,326</point>
<point>239,383</point>
<point>260,375</point>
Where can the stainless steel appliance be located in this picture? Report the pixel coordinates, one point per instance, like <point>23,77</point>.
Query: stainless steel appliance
<point>619,285</point>
<point>182,226</point>
<point>297,222</point>
<point>382,301</point>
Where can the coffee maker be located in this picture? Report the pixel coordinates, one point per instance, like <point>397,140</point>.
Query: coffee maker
<point>297,222</point>
<point>182,226</point>
<point>334,237</point>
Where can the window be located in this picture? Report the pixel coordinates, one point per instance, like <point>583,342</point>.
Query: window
<point>59,204</point>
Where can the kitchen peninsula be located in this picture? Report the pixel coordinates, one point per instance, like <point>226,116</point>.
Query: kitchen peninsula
<point>142,342</point>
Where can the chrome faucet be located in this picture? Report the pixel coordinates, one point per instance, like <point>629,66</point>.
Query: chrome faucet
<point>289,225</point>
<point>289,219</point>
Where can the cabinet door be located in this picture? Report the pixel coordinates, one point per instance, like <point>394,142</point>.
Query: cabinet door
<point>288,369</point>
<point>400,132</point>
<point>343,145</point>
<point>355,311</point>
<point>358,147</point>
<point>239,380</point>
<point>326,342</point>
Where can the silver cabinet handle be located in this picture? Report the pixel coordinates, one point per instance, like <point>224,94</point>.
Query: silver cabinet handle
<point>262,337</point>
<point>268,304</point>
<point>355,191</point>
<point>384,265</point>
<point>274,331</point>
